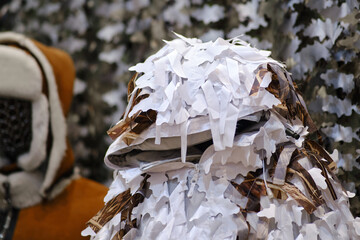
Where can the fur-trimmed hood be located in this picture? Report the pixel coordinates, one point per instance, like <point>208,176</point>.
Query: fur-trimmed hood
<point>44,77</point>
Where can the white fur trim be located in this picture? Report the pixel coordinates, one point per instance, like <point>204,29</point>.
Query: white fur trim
<point>40,124</point>
<point>58,124</point>
<point>23,82</point>
<point>24,189</point>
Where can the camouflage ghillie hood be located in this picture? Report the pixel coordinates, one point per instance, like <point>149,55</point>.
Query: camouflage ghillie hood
<point>213,145</point>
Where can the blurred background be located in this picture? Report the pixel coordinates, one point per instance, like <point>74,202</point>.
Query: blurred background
<point>319,41</point>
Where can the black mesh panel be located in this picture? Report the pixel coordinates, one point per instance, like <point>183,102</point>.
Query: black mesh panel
<point>15,127</point>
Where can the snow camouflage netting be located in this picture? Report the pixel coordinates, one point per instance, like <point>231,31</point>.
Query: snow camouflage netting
<point>213,145</point>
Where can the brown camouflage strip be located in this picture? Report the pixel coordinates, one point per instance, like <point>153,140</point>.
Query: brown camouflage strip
<point>253,189</point>
<point>283,88</point>
<point>132,126</point>
<point>309,182</point>
<point>297,195</point>
<point>248,188</point>
<point>318,150</point>
<point>118,236</point>
<point>113,207</point>
<point>124,203</point>
<point>316,160</point>
<point>315,154</point>
<point>131,85</point>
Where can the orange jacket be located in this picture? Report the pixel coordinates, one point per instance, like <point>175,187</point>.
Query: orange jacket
<point>63,217</point>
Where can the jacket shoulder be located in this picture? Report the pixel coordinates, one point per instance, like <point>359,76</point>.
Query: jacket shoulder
<point>63,217</point>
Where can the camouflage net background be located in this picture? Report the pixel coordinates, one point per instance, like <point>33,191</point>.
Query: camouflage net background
<point>319,41</point>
